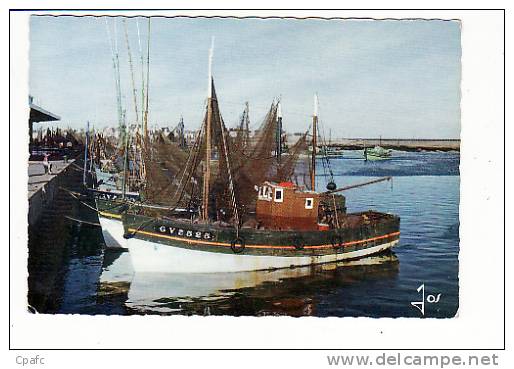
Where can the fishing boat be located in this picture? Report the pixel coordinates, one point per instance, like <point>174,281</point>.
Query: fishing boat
<point>377,153</point>
<point>112,190</point>
<point>110,204</point>
<point>249,211</point>
<point>118,168</point>
<point>280,241</point>
<point>123,188</point>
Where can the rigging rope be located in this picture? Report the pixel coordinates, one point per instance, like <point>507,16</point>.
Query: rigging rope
<point>231,183</point>
<point>134,90</point>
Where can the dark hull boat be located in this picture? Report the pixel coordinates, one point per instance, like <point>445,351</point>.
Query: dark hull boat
<point>182,247</point>
<point>247,210</point>
<point>377,153</point>
<point>110,205</point>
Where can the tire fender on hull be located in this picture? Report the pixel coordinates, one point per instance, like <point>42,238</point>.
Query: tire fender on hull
<point>298,242</point>
<point>238,245</point>
<point>337,242</point>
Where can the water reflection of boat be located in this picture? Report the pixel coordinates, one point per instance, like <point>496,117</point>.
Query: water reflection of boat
<point>115,279</point>
<point>278,292</point>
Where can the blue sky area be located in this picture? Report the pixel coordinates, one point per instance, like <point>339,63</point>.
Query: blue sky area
<point>374,78</point>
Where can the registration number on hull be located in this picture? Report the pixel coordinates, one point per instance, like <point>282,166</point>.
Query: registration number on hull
<point>183,232</point>
<point>113,196</point>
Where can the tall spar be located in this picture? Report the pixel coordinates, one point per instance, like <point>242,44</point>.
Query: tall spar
<point>142,72</point>
<point>113,43</point>
<point>134,90</point>
<point>140,134</point>
<point>278,137</point>
<point>145,124</point>
<point>85,155</point>
<point>247,125</point>
<point>314,143</point>
<point>208,148</point>
<point>142,142</point>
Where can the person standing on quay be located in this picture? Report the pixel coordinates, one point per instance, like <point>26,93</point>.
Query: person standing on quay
<point>46,164</point>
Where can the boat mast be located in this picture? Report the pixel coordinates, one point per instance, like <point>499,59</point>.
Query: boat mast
<point>134,90</point>
<point>113,41</point>
<point>279,132</point>
<point>314,143</point>
<point>247,125</point>
<point>145,128</point>
<point>142,74</point>
<point>140,138</point>
<point>208,149</point>
<point>92,153</point>
<point>125,166</point>
<point>85,155</point>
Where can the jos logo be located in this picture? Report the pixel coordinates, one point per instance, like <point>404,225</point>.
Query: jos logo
<point>431,299</point>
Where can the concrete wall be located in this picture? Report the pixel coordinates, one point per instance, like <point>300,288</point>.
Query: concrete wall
<point>43,198</point>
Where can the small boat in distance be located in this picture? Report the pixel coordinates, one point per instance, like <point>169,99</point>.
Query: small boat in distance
<point>377,153</point>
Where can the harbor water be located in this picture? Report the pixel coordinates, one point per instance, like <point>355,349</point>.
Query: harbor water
<point>424,192</point>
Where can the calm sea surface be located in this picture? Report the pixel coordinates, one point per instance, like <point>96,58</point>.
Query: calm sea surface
<point>424,192</point>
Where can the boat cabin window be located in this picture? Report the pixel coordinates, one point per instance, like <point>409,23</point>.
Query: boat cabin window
<point>279,195</point>
<point>309,203</point>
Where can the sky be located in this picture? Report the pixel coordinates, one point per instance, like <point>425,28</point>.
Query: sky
<point>389,78</point>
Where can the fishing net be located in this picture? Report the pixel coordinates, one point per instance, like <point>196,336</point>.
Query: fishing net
<point>165,169</point>
<point>290,167</point>
<point>175,175</point>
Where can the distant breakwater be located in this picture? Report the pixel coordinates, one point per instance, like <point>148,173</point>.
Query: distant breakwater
<point>401,144</point>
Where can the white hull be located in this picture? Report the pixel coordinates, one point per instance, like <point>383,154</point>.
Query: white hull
<point>151,257</point>
<point>112,231</point>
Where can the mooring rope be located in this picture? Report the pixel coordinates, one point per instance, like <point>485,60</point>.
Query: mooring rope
<point>83,221</point>
<point>76,195</point>
<point>231,183</point>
